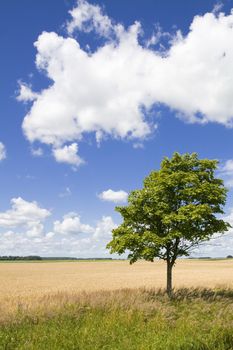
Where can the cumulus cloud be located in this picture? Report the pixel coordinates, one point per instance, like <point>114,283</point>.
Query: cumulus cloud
<point>71,224</point>
<point>51,244</point>
<point>2,151</point>
<point>81,239</point>
<point>86,96</point>
<point>113,196</point>
<point>23,213</point>
<point>25,93</point>
<point>37,152</point>
<point>104,227</point>
<point>112,89</point>
<point>217,7</point>
<point>226,172</point>
<point>71,237</point>
<point>68,154</point>
<point>228,167</point>
<point>156,38</point>
<point>36,229</point>
<point>86,17</point>
<point>220,245</point>
<point>138,145</point>
<point>24,232</point>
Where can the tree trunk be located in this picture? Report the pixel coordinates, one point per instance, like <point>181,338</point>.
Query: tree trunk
<point>169,278</point>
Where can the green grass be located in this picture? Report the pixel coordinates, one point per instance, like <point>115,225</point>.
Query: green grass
<point>125,319</point>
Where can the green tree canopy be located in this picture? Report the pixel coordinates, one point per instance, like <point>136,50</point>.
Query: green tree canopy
<point>174,211</point>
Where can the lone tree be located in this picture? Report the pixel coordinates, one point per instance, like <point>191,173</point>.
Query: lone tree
<point>174,211</point>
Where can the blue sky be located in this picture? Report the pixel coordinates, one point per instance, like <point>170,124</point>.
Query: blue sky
<point>93,95</point>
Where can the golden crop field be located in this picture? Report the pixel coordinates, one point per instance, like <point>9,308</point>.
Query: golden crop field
<point>49,286</point>
<point>45,304</point>
<point>38,279</point>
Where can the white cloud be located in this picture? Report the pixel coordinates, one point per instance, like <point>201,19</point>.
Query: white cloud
<point>68,154</point>
<point>104,227</point>
<point>8,234</point>
<point>229,218</point>
<point>111,90</point>
<point>226,172</point>
<point>95,238</point>
<point>157,36</point>
<point>23,213</point>
<point>86,17</point>
<point>50,235</point>
<point>228,167</point>
<point>217,7</point>
<point>229,182</point>
<point>37,152</point>
<point>23,232</point>
<point>220,245</point>
<point>2,151</point>
<point>25,93</point>
<point>36,229</point>
<point>71,224</point>
<point>138,145</point>
<point>26,233</point>
<point>51,244</point>
<point>113,196</point>
<point>71,237</point>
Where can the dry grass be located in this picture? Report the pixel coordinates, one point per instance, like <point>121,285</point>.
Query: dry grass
<point>137,319</point>
<point>13,310</point>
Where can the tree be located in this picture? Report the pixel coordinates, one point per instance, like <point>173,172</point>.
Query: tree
<point>174,211</point>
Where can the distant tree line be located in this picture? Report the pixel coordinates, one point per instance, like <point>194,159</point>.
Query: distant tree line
<point>29,257</point>
<point>36,257</point>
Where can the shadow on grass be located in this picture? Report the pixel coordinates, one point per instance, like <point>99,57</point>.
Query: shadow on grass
<point>181,294</point>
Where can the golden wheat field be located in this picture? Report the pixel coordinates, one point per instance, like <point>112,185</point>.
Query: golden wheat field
<point>26,286</point>
<point>37,279</point>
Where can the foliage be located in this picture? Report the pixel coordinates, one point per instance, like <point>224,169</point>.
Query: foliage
<point>174,211</point>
